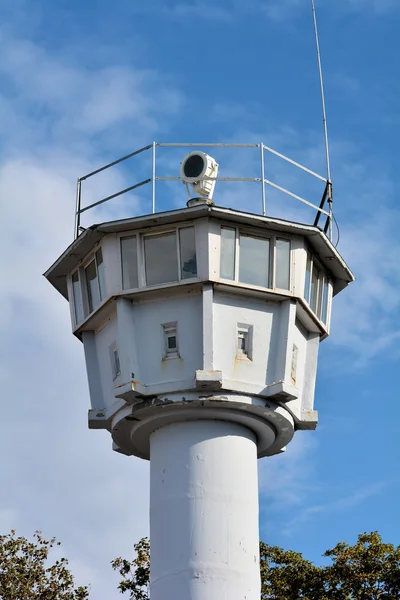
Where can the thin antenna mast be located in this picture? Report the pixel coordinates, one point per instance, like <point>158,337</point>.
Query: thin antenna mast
<point>321,82</point>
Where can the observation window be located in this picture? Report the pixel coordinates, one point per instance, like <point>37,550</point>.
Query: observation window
<point>95,282</point>
<point>187,243</point>
<point>316,289</point>
<point>167,257</point>
<point>161,260</point>
<point>282,264</point>
<point>228,241</point>
<point>88,287</point>
<point>255,260</point>
<point>77,298</point>
<point>130,279</point>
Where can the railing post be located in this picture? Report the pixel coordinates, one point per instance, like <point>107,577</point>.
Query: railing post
<point>153,179</point>
<point>264,209</point>
<point>77,209</point>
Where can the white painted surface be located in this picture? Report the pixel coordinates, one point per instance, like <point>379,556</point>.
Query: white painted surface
<point>204,512</point>
<point>264,317</point>
<point>92,370</point>
<point>104,338</point>
<point>148,319</point>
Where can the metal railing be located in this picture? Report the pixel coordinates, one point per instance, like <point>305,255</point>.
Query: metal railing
<point>321,209</point>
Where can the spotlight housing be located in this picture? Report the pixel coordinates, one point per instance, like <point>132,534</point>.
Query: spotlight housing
<point>200,171</point>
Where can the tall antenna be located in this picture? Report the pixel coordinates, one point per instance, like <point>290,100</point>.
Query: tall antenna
<point>321,83</point>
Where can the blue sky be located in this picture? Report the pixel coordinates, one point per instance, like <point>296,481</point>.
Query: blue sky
<point>83,83</point>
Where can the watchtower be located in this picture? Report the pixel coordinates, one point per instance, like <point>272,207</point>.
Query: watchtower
<point>201,328</point>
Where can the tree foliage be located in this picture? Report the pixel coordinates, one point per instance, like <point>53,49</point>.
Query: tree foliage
<point>27,574</point>
<point>368,570</point>
<point>136,574</point>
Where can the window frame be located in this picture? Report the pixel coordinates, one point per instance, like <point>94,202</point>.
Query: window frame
<point>83,285</point>
<point>170,330</point>
<point>244,332</point>
<point>138,259</point>
<point>140,235</point>
<point>115,360</point>
<point>323,278</point>
<point>272,237</point>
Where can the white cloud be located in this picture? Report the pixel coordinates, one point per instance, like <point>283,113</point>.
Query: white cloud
<point>277,11</point>
<point>57,475</point>
<point>341,504</point>
<point>285,479</point>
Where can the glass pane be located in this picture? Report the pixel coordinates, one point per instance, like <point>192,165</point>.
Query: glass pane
<point>92,286</point>
<point>161,258</point>
<point>314,289</point>
<point>100,273</point>
<point>188,253</point>
<point>227,266</point>
<point>254,261</point>
<point>282,264</point>
<point>78,305</point>
<point>171,342</point>
<point>129,263</point>
<point>324,308</point>
<point>307,280</point>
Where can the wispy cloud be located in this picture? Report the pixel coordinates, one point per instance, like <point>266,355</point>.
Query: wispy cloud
<point>71,104</point>
<point>344,503</point>
<point>286,480</point>
<point>276,11</point>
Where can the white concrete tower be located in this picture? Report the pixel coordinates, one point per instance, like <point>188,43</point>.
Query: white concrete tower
<point>201,328</point>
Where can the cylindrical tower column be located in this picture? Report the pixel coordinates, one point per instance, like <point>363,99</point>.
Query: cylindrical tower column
<point>204,512</point>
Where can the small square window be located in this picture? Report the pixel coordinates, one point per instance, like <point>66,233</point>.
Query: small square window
<point>244,344</point>
<point>114,359</point>
<point>170,340</point>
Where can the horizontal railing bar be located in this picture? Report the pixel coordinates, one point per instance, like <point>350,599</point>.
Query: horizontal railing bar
<point>282,189</point>
<point>212,179</point>
<point>293,162</point>
<point>222,145</point>
<point>217,145</point>
<point>129,189</point>
<point>115,162</point>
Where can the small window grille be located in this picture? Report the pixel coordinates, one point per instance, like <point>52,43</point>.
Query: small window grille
<point>170,340</point>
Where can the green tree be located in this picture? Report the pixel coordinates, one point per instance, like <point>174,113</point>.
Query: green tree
<point>136,574</point>
<point>368,570</point>
<point>27,574</point>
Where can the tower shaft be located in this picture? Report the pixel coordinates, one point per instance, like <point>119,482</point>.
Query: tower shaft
<point>204,512</point>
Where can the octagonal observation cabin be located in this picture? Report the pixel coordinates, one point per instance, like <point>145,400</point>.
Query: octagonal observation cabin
<point>202,311</point>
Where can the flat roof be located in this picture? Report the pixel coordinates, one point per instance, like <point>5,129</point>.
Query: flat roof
<point>80,248</point>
